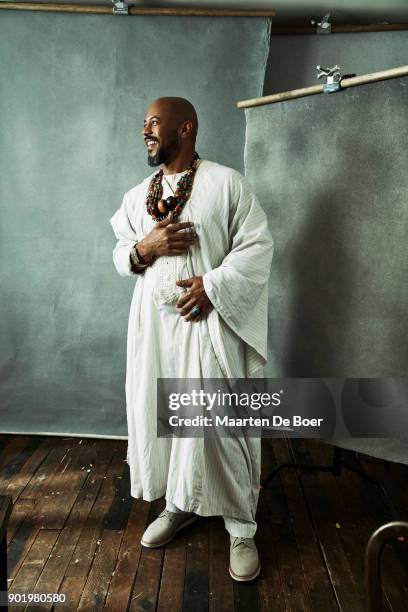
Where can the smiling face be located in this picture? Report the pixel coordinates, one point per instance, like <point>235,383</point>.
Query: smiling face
<point>169,130</point>
<point>161,134</point>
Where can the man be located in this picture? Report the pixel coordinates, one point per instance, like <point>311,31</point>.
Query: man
<point>196,239</point>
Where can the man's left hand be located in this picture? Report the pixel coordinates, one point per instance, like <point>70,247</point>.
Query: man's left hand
<point>195,295</point>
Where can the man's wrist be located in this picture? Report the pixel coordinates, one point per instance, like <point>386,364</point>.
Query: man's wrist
<point>143,254</point>
<point>141,259</point>
<point>138,263</point>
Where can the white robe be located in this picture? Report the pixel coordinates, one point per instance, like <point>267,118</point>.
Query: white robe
<point>207,476</point>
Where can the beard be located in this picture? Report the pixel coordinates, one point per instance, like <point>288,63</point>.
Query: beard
<point>158,158</point>
<point>164,154</point>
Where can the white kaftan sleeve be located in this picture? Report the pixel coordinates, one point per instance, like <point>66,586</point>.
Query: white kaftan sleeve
<point>127,238</point>
<point>238,288</point>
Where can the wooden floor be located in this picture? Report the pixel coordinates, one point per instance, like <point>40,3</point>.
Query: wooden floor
<point>75,530</point>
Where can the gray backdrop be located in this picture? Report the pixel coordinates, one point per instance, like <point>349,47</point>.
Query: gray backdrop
<point>331,171</point>
<point>291,64</point>
<point>74,92</point>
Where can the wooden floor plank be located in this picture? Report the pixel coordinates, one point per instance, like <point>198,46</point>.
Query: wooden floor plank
<point>47,513</point>
<point>20,480</point>
<point>119,511</point>
<point>71,588</point>
<point>99,577</point>
<point>5,440</point>
<point>395,555</point>
<point>63,488</point>
<point>328,512</point>
<point>21,508</point>
<point>38,484</point>
<point>37,489</point>
<point>54,569</point>
<point>292,576</point>
<point>318,584</point>
<point>221,592</point>
<point>10,448</point>
<point>85,549</point>
<point>146,586</point>
<point>27,576</point>
<point>371,514</point>
<point>20,545</point>
<point>17,453</point>
<point>128,558</point>
<point>246,596</point>
<point>270,593</point>
<point>173,574</point>
<point>196,579</point>
<point>351,508</point>
<point>291,573</point>
<point>350,494</point>
<point>145,589</point>
<point>395,576</point>
<point>392,475</point>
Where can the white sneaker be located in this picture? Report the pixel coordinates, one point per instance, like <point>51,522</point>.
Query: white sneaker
<point>244,560</point>
<point>165,527</point>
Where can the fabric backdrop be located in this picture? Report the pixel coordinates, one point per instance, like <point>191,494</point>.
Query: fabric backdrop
<point>75,89</point>
<point>331,172</point>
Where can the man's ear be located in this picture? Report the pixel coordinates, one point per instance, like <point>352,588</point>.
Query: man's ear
<point>186,129</point>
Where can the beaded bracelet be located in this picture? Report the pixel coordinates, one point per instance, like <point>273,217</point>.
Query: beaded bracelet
<point>134,258</point>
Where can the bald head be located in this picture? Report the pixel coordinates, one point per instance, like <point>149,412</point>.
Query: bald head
<point>170,130</point>
<point>179,109</point>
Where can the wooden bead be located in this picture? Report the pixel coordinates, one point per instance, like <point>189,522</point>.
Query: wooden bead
<point>162,206</point>
<point>171,203</point>
<point>155,208</point>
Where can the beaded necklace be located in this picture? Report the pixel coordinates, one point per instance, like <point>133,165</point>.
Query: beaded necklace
<point>159,208</point>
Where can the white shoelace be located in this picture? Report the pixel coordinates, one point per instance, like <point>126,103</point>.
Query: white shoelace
<point>173,515</point>
<point>239,541</point>
<point>167,514</point>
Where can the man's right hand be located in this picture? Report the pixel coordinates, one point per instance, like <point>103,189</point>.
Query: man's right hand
<point>166,239</point>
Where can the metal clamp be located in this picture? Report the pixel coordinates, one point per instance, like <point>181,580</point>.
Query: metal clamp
<point>323,26</point>
<point>333,78</point>
<point>120,7</point>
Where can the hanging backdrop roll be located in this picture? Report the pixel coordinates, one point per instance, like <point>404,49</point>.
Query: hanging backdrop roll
<point>331,173</point>
<point>75,89</point>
